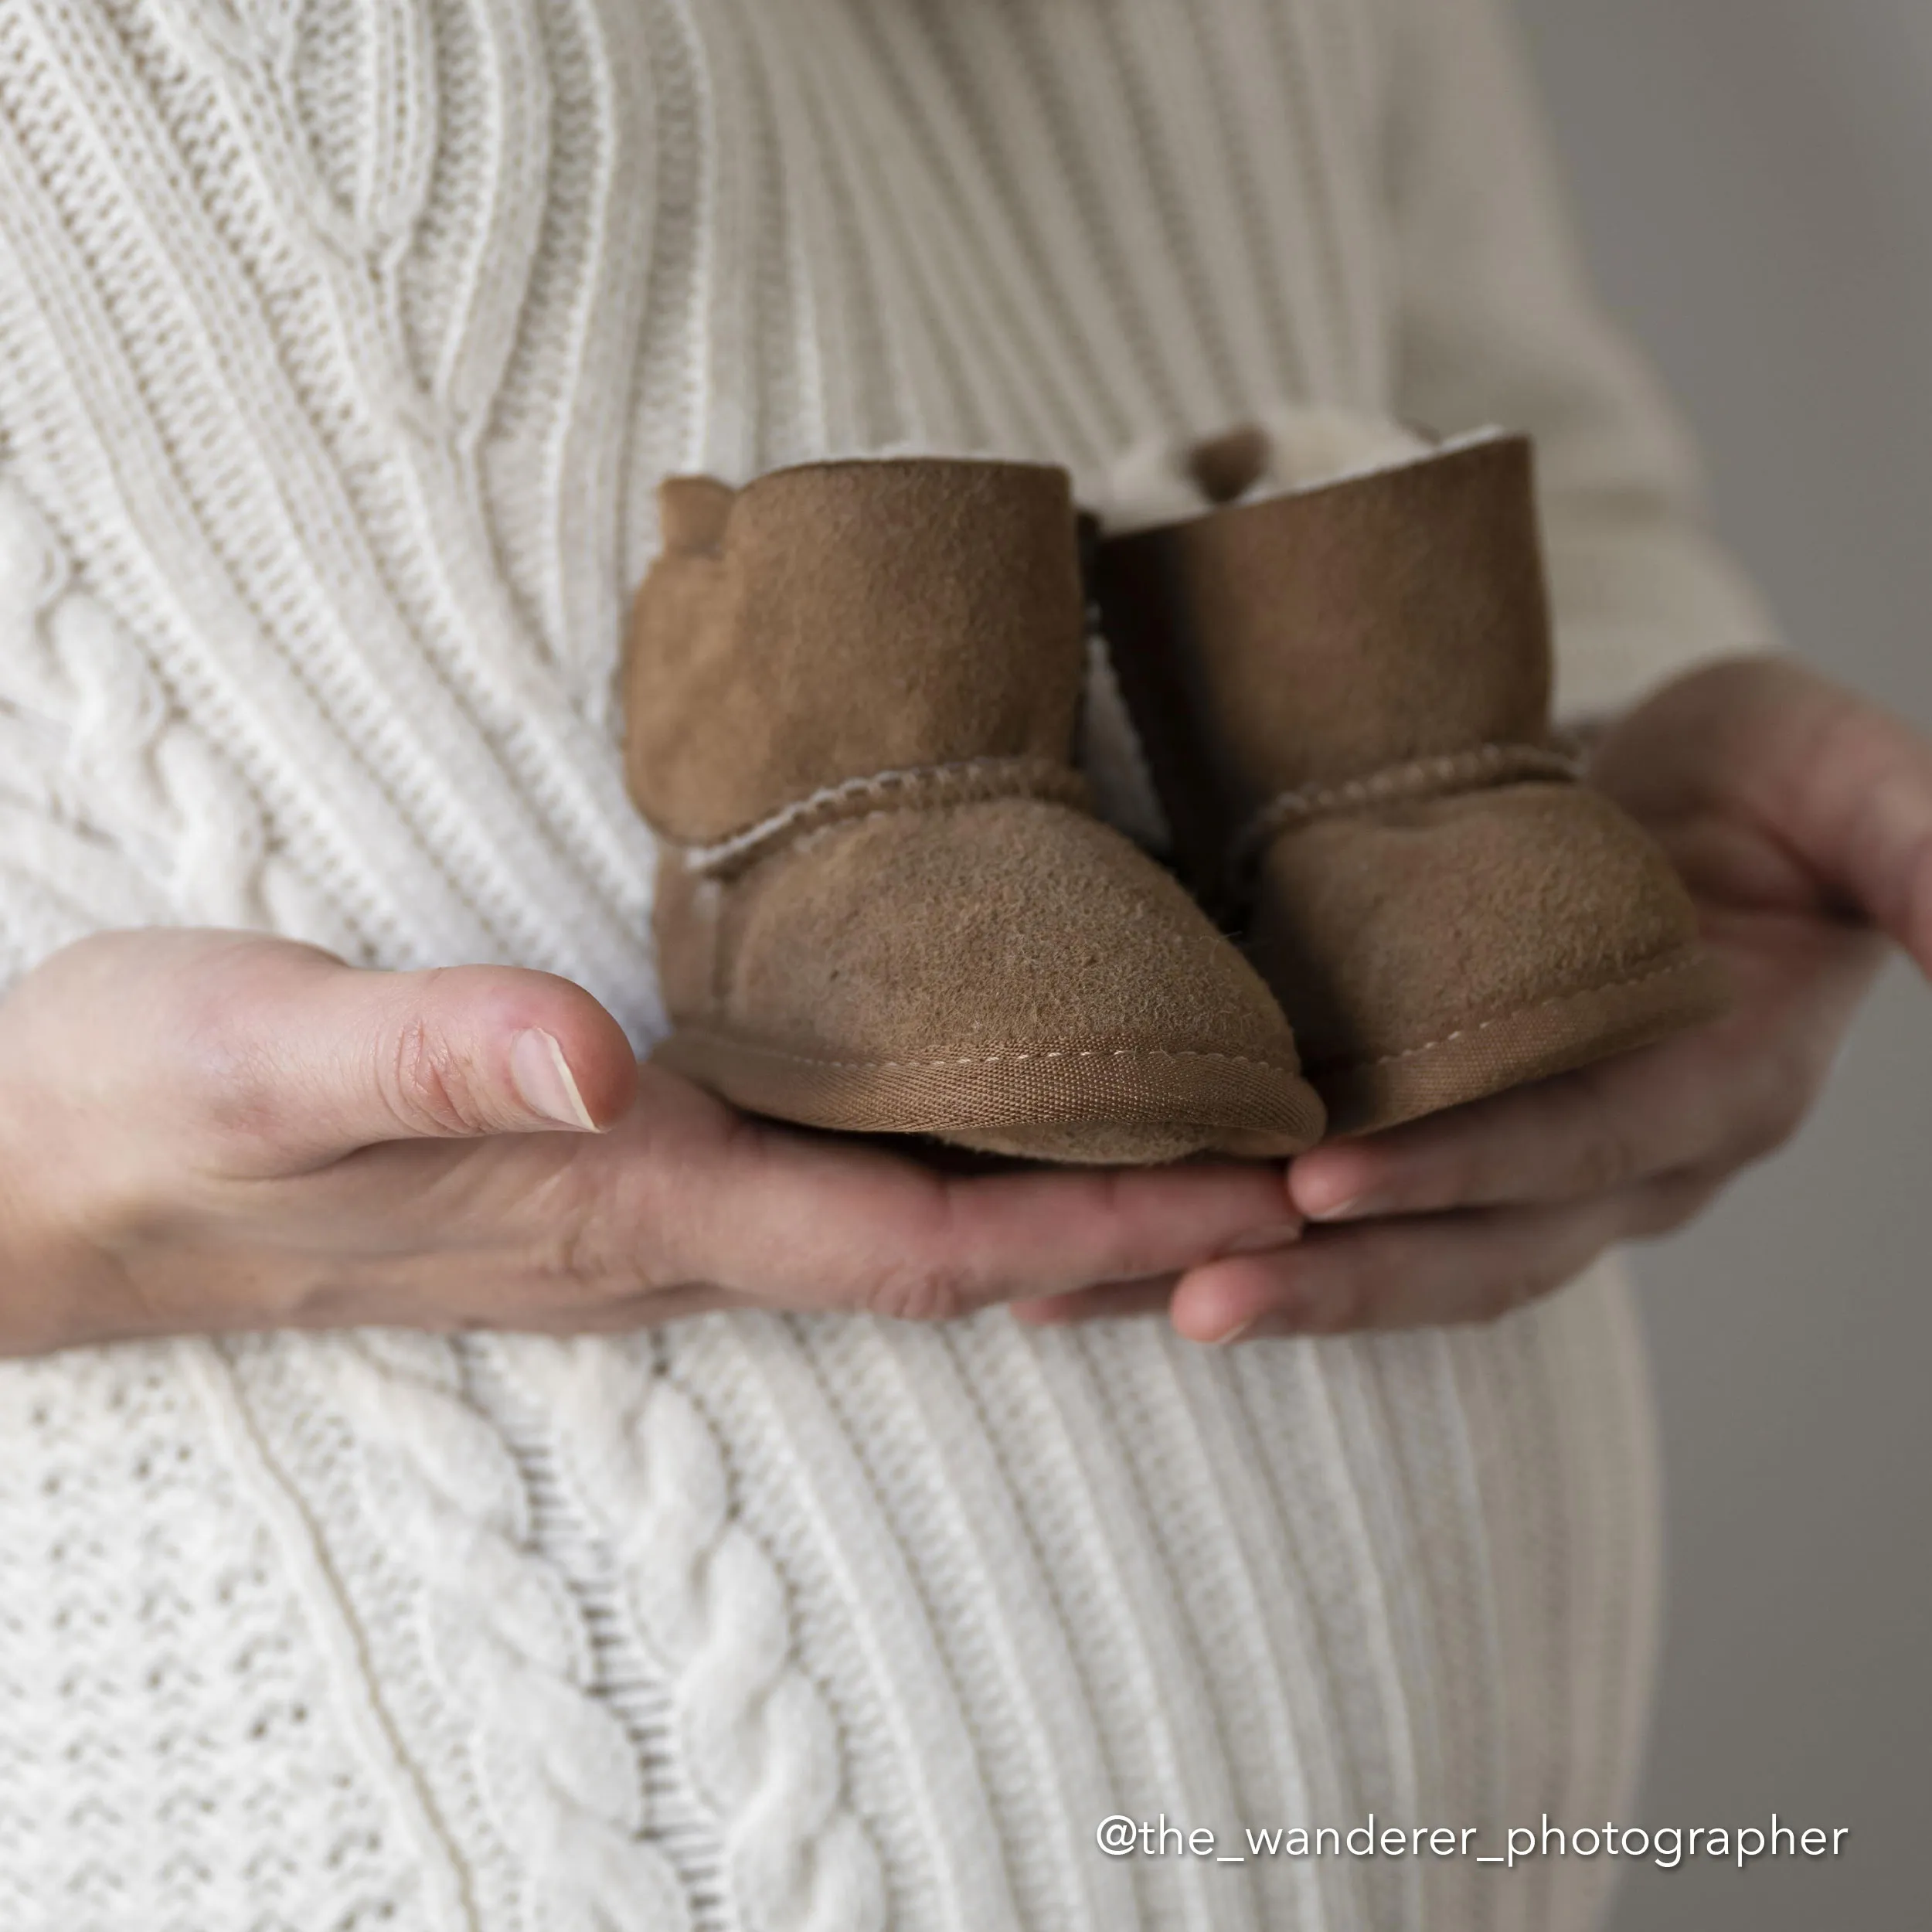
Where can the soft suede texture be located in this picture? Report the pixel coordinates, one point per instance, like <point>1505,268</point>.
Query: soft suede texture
<point>1394,928</point>
<point>1007,972</point>
<point>1310,638</point>
<point>1430,951</point>
<point>985,928</point>
<point>839,620</point>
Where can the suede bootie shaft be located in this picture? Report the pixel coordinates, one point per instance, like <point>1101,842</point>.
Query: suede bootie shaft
<point>1343,693</point>
<point>882,906</point>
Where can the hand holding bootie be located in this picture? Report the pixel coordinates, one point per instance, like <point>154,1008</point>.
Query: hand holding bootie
<point>1343,690</point>
<point>851,696</point>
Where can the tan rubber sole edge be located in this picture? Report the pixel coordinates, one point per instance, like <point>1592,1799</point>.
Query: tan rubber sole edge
<point>1556,1036</point>
<point>1089,1105</point>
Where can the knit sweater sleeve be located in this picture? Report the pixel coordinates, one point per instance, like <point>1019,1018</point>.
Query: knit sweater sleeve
<point>1498,323</point>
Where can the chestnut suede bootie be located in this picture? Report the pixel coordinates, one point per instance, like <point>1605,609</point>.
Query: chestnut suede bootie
<point>1342,691</point>
<point>851,697</point>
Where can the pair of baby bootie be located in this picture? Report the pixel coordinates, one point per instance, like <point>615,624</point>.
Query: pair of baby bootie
<point>853,695</point>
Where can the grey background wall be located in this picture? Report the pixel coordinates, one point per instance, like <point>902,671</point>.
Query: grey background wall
<point>1754,177</point>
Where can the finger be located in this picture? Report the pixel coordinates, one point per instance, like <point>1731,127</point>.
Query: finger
<point>687,1196</point>
<point>1838,783</point>
<point>803,1220</point>
<point>1860,811</point>
<point>314,1058</point>
<point>1432,1271</point>
<point>425,1290</point>
<point>1599,1131</point>
<point>1109,1301</point>
<point>624,1315</point>
<point>1719,1096</point>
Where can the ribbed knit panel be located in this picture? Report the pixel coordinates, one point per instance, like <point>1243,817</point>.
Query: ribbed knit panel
<point>342,344</point>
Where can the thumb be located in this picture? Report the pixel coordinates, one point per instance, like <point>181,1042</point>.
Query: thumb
<point>1848,787</point>
<point>1841,789</point>
<point>357,1057</point>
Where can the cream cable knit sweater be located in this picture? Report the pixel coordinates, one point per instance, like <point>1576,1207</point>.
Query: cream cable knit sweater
<point>341,344</point>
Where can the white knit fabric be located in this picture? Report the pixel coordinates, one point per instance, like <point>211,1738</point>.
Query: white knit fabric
<point>342,343</point>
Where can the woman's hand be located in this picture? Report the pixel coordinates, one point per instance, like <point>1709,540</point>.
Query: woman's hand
<point>1801,818</point>
<point>202,1131</point>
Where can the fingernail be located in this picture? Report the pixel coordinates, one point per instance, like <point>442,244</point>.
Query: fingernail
<point>544,1080</point>
<point>1357,1207</point>
<point>1284,1320</point>
<point>1265,1240</point>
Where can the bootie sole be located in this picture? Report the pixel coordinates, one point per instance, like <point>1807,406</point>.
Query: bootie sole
<point>1086,1106</point>
<point>1678,990</point>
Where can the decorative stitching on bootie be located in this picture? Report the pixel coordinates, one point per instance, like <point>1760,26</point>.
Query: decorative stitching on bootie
<point>1015,1056</point>
<point>1442,777</point>
<point>919,788</point>
<point>1583,995</point>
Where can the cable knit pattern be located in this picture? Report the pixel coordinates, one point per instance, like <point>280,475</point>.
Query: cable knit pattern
<point>117,808</point>
<point>759,1742</point>
<point>483,1644</point>
<point>507,1641</point>
<point>342,346</point>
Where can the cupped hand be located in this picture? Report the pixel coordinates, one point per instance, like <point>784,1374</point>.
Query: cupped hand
<point>1801,817</point>
<point>202,1131</point>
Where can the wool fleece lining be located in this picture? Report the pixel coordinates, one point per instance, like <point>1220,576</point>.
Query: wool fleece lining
<point>1342,688</point>
<point>851,697</point>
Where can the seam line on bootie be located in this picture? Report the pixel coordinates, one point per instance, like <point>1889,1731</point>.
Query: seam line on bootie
<point>1496,764</point>
<point>1017,1056</point>
<point>1694,958</point>
<point>917,788</point>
